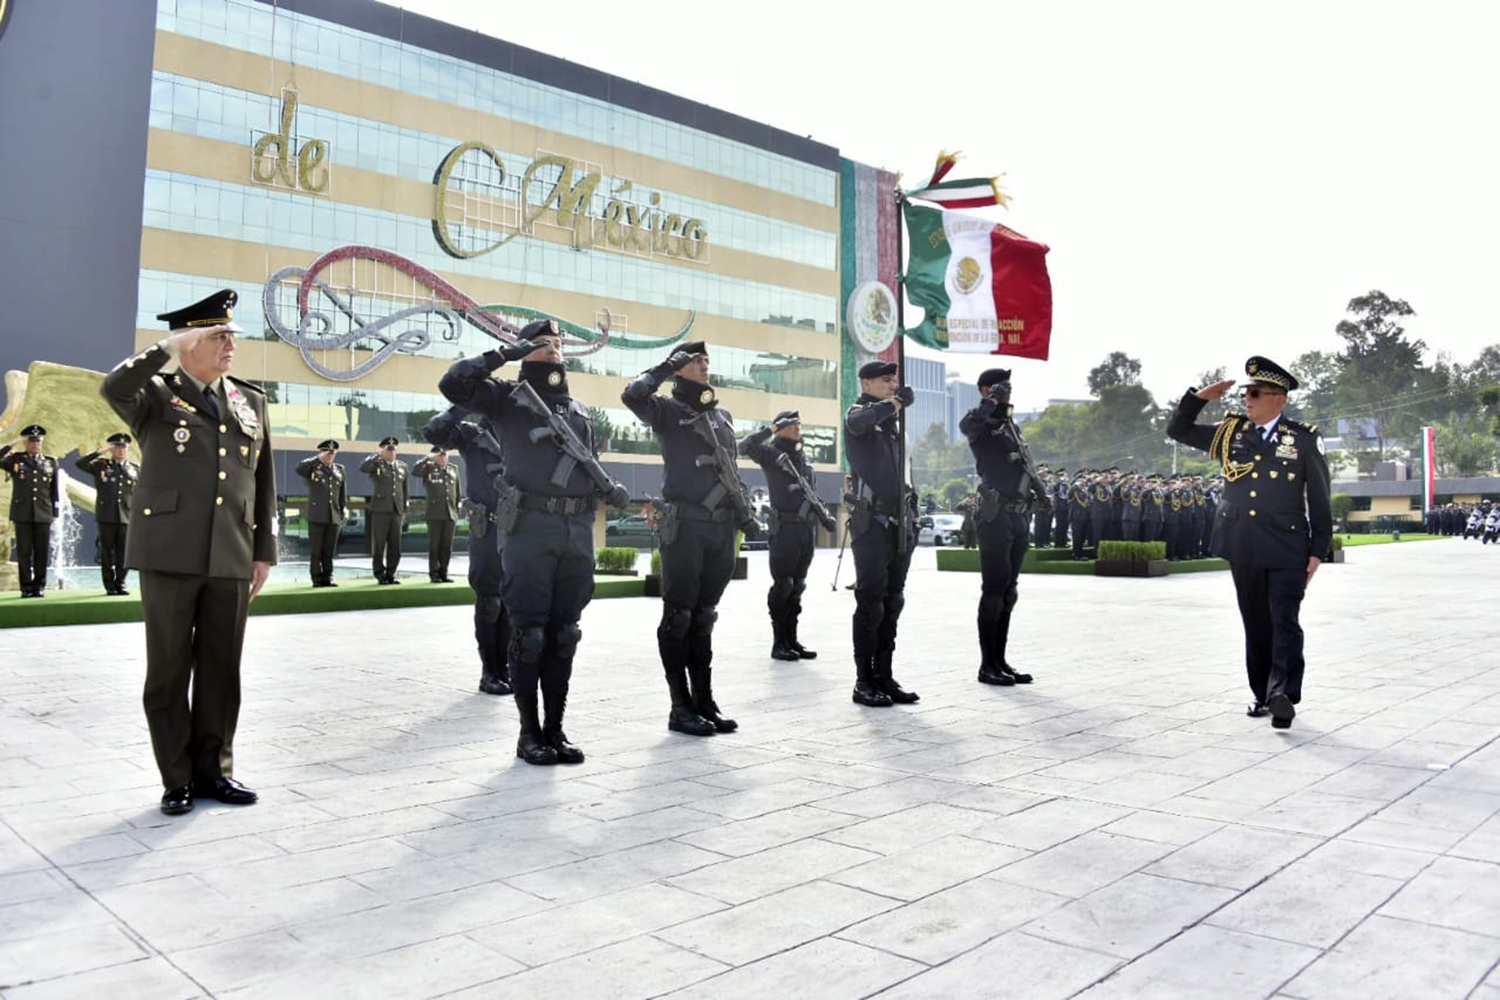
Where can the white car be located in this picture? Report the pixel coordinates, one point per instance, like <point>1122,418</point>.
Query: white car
<point>940,529</point>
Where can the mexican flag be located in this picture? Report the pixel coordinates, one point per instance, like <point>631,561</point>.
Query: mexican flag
<point>984,287</point>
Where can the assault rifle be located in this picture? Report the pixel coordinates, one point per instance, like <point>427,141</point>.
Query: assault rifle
<point>726,478</point>
<point>809,495</point>
<point>574,452</point>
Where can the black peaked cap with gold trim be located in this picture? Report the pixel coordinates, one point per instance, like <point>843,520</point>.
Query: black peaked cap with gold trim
<point>216,310</point>
<point>1264,371</point>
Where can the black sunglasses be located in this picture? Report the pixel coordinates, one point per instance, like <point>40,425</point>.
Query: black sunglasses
<point>1257,393</point>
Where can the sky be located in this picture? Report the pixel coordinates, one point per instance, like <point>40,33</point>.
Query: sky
<point>1214,180</point>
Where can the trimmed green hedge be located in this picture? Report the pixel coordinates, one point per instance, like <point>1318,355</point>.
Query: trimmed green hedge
<point>1132,551</point>
<point>615,559</point>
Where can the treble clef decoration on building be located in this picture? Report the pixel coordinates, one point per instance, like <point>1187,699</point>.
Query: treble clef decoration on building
<point>364,299</point>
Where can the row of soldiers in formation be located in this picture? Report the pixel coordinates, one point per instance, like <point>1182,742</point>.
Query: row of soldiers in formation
<point>1106,505</point>
<point>1483,523</point>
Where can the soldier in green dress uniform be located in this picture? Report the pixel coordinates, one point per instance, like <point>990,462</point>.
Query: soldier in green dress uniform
<point>386,511</point>
<point>327,507</point>
<point>114,485</point>
<point>33,505</point>
<point>444,495</point>
<point>203,540</point>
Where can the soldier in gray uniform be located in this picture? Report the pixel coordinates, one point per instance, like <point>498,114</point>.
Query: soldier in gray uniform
<point>203,540</point>
<point>552,484</point>
<point>485,461</point>
<point>33,505</point>
<point>444,494</point>
<point>327,507</point>
<point>114,483</point>
<point>1274,524</point>
<point>386,511</point>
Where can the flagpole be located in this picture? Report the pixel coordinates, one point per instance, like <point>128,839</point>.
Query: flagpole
<point>901,362</point>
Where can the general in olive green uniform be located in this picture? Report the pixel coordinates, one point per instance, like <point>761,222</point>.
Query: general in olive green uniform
<point>327,507</point>
<point>444,494</point>
<point>203,539</point>
<point>33,505</point>
<point>1274,523</point>
<point>386,511</point>
<point>114,483</point>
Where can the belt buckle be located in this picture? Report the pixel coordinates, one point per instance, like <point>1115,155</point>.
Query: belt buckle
<point>555,505</point>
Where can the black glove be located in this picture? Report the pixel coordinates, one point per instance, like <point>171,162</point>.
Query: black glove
<point>518,350</point>
<point>906,395</point>
<point>679,359</point>
<point>618,497</point>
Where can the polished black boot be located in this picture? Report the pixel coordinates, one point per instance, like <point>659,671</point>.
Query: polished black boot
<point>791,639</point>
<point>530,746</point>
<point>493,676</point>
<point>703,699</point>
<point>555,702</point>
<point>1002,639</point>
<point>866,690</point>
<point>887,683</point>
<point>684,718</point>
<point>781,649</point>
<point>991,670</point>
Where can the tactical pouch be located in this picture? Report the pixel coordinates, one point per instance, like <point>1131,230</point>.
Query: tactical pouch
<point>988,507</point>
<point>479,517</point>
<point>669,525</point>
<point>861,516</point>
<point>773,520</point>
<point>508,508</point>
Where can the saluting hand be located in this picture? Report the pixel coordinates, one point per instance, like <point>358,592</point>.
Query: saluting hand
<point>518,350</point>
<point>1216,390</point>
<point>260,572</point>
<point>186,338</point>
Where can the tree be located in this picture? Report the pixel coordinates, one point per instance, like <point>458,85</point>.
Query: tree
<point>935,460</point>
<point>954,490</point>
<point>1214,410</point>
<point>604,428</point>
<point>1116,369</point>
<point>1318,377</point>
<point>1378,362</point>
<point>1464,447</point>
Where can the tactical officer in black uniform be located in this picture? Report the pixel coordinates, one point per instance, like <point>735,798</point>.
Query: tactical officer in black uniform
<point>795,513</point>
<point>1274,524</point>
<point>386,511</point>
<point>327,507</point>
<point>484,459</point>
<point>33,505</point>
<point>704,503</point>
<point>546,507</point>
<point>1009,487</point>
<point>883,518</point>
<point>114,485</point>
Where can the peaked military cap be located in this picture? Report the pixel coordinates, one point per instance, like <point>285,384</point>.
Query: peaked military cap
<point>121,438</point>
<point>329,445</point>
<point>694,347</point>
<point>1264,371</point>
<point>216,310</point>
<point>541,328</point>
<point>785,418</point>
<point>437,449</point>
<point>389,442</point>
<point>877,369</point>
<point>991,376</point>
<point>36,431</point>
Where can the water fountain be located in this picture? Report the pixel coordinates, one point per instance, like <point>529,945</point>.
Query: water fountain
<point>67,529</point>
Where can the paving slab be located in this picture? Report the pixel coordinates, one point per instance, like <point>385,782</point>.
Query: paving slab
<point>1117,828</point>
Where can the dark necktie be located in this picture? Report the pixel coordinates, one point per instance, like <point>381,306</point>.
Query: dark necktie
<point>212,404</point>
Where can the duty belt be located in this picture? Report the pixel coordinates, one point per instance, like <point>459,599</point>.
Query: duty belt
<point>698,512</point>
<point>791,515</point>
<point>886,508</point>
<point>557,505</point>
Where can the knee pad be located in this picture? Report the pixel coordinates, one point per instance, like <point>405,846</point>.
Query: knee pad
<point>565,638</point>
<point>893,605</point>
<point>798,586</point>
<point>991,604</point>
<point>703,620</point>
<point>527,642</point>
<point>490,609</point>
<point>675,622</point>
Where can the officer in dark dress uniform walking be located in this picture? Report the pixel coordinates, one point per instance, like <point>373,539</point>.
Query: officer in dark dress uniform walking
<point>114,484</point>
<point>1274,523</point>
<point>203,540</point>
<point>1008,488</point>
<point>1060,493</point>
<point>386,510</point>
<point>484,459</point>
<point>444,495</point>
<point>795,516</point>
<point>546,508</point>
<point>327,507</point>
<point>883,519</point>
<point>705,503</point>
<point>33,505</point>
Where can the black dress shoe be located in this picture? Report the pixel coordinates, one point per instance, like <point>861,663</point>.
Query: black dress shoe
<point>566,752</point>
<point>393,579</point>
<point>177,801</point>
<point>867,693</point>
<point>781,651</point>
<point>998,677</point>
<point>226,790</point>
<point>711,713</point>
<point>1019,677</point>
<point>685,720</point>
<point>896,692</point>
<point>1257,710</point>
<point>1281,710</point>
<point>803,652</point>
<point>493,684</point>
<point>531,748</point>
<point>122,592</point>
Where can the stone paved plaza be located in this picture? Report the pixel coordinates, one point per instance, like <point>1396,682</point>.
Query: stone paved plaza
<point>1119,828</point>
